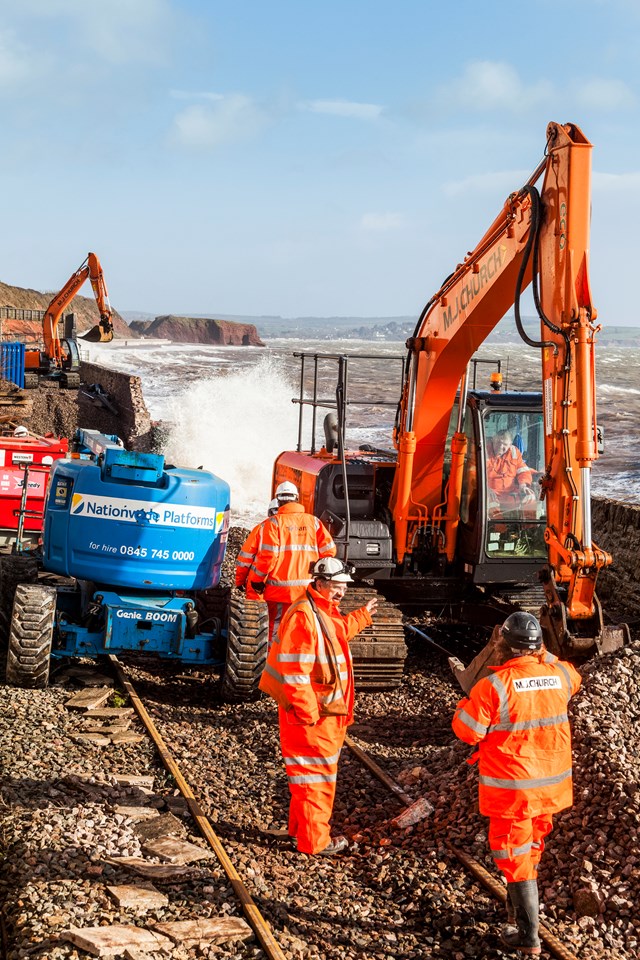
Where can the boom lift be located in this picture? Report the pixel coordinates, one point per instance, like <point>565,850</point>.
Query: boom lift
<point>141,541</point>
<point>424,518</point>
<point>60,359</point>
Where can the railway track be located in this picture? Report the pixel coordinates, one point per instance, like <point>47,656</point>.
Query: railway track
<point>409,892</point>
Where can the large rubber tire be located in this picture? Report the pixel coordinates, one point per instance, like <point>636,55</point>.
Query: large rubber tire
<point>15,568</point>
<point>31,636</point>
<point>247,645</point>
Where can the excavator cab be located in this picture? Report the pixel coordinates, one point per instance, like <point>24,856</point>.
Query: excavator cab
<point>502,515</point>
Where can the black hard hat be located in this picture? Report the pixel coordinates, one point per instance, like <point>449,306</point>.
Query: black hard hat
<point>522,631</point>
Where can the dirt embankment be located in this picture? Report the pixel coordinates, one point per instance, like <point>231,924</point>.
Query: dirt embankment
<point>19,299</point>
<point>200,330</point>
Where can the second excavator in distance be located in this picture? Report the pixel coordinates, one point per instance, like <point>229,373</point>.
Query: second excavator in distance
<point>60,359</point>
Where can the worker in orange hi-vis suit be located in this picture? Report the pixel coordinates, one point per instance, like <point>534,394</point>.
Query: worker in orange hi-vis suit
<point>518,717</point>
<point>247,555</point>
<point>291,542</point>
<point>309,673</point>
<point>510,481</point>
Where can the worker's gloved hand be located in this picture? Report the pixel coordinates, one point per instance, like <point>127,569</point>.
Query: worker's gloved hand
<point>258,586</point>
<point>526,493</point>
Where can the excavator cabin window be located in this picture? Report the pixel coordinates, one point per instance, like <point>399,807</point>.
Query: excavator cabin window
<point>514,465</point>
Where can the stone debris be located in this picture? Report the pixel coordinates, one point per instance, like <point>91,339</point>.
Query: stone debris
<point>141,897</point>
<point>176,851</point>
<point>135,780</point>
<point>192,933</point>
<point>98,739</point>
<point>117,726</point>
<point>112,941</point>
<point>104,712</point>
<point>89,699</point>
<point>136,813</point>
<point>157,871</point>
<point>165,825</point>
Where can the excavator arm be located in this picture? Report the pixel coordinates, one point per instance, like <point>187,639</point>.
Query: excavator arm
<point>540,237</point>
<point>92,270</point>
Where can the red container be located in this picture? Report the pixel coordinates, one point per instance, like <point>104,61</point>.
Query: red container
<point>29,456</point>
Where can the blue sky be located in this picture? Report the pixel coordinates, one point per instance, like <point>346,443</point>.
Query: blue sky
<point>299,158</point>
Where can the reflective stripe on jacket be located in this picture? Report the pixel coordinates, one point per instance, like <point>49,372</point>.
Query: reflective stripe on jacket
<point>291,542</point>
<point>518,716</point>
<point>245,560</point>
<point>508,472</point>
<point>309,669</point>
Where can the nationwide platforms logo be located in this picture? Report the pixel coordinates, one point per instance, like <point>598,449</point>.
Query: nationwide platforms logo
<point>148,514</point>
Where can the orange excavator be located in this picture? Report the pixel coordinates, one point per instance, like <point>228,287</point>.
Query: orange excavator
<point>60,359</point>
<point>425,520</point>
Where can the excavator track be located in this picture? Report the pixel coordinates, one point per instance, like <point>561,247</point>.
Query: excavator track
<point>379,651</point>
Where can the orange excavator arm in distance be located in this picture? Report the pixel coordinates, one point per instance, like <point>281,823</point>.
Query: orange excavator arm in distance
<point>91,270</point>
<point>542,237</point>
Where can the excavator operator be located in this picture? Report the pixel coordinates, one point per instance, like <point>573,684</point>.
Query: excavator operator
<point>509,478</point>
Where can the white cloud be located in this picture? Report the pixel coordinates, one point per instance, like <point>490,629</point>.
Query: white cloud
<point>627,183</point>
<point>118,31</point>
<point>15,60</point>
<point>484,183</point>
<point>381,222</point>
<point>226,120</point>
<point>343,108</point>
<point>195,95</point>
<point>600,94</point>
<point>487,85</point>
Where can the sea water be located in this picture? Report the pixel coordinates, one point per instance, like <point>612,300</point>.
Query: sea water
<point>230,409</point>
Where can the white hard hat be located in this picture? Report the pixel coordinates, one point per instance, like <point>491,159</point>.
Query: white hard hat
<point>273,506</point>
<point>286,491</point>
<point>21,431</point>
<point>330,568</point>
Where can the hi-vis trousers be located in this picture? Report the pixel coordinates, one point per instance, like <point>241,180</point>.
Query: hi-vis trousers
<point>517,845</point>
<point>311,758</point>
<point>277,610</point>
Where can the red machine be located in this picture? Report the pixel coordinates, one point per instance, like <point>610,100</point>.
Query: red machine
<point>25,463</point>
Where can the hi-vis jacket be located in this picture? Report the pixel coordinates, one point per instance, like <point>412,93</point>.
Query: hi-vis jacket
<point>292,541</point>
<point>246,558</point>
<point>309,670</point>
<point>518,716</point>
<point>508,472</point>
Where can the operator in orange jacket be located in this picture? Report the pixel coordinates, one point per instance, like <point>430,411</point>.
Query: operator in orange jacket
<point>509,478</point>
<point>247,555</point>
<point>309,673</point>
<point>518,717</point>
<point>291,542</point>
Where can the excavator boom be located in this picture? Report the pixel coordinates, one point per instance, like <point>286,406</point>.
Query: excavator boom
<point>540,237</point>
<point>103,330</point>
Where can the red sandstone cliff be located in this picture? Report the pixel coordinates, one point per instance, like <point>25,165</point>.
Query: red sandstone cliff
<point>201,330</point>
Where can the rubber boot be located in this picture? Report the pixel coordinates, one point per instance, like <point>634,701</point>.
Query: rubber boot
<point>510,929</point>
<point>524,898</point>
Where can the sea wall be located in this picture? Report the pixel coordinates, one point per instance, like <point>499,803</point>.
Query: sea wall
<point>112,403</point>
<point>616,528</point>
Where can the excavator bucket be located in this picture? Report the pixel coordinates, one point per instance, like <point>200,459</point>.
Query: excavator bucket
<point>98,334</point>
